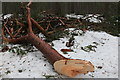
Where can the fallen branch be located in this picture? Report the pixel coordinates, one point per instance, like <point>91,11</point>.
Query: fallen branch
<point>7,29</point>
<point>29,19</point>
<point>68,67</point>
<point>65,66</point>
<point>18,31</point>
<point>39,27</point>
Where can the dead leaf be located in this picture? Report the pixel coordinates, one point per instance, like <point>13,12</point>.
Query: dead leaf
<point>66,50</point>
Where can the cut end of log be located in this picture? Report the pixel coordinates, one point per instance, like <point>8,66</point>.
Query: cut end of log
<point>73,67</point>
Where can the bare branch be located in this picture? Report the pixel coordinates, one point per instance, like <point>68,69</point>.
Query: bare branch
<point>20,40</point>
<point>29,21</point>
<point>18,31</point>
<point>7,29</point>
<point>49,25</point>
<point>30,2</point>
<point>39,27</point>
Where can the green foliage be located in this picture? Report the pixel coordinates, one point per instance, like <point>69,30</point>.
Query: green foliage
<point>17,50</point>
<point>8,71</point>
<point>83,26</point>
<point>114,22</point>
<point>57,35</point>
<point>22,49</point>
<point>49,76</point>
<point>65,52</point>
<point>95,43</point>
<point>110,25</point>
<point>90,47</point>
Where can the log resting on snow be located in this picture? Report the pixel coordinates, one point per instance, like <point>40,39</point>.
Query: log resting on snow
<point>65,66</point>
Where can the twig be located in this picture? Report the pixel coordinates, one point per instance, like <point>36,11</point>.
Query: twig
<point>18,31</point>
<point>49,25</point>
<point>61,21</point>
<point>28,18</point>
<point>30,2</point>
<point>7,29</point>
<point>3,34</point>
<point>19,23</point>
<point>39,27</point>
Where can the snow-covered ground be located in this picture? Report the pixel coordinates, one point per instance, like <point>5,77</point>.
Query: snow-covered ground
<point>34,65</point>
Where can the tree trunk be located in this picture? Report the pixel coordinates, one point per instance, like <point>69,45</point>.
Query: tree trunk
<point>65,66</point>
<point>45,48</point>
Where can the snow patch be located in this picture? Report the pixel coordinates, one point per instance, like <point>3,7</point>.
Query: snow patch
<point>95,18</point>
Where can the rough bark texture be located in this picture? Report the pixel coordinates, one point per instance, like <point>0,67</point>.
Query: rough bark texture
<point>50,53</point>
<point>65,66</point>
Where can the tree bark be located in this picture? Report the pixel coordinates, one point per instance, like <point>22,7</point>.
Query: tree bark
<point>65,66</point>
<point>39,27</point>
<point>50,53</point>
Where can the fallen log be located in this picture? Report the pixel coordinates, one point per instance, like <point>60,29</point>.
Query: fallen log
<point>65,66</point>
